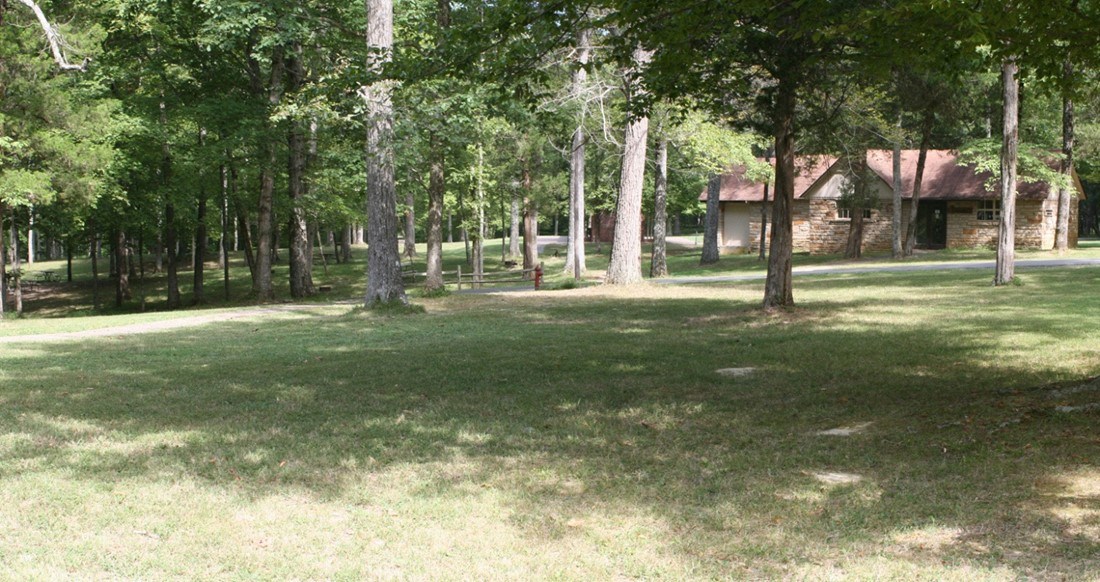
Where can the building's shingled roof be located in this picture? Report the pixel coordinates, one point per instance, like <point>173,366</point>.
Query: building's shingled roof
<point>736,187</point>
<point>944,178</point>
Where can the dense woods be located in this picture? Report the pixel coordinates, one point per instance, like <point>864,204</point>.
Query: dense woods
<point>163,134</point>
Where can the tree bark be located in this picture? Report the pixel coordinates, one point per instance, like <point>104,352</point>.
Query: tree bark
<point>68,259</point>
<point>918,180</point>
<point>345,244</point>
<point>244,234</point>
<point>854,248</point>
<point>897,247</point>
<point>513,232</point>
<point>530,225</point>
<point>301,255</point>
<point>658,266</point>
<point>778,292</point>
<point>266,247</point>
<point>3,266</point>
<point>575,263</point>
<point>54,39</point>
<point>224,250</point>
<point>122,281</point>
<point>625,266</point>
<point>479,240</point>
<point>1006,235</point>
<point>410,224</point>
<point>94,243</point>
<point>530,235</point>
<point>174,300</point>
<point>384,283</point>
<point>710,224</point>
<point>437,186</point>
<point>16,267</point>
<point>1065,195</point>
<point>32,238</point>
<point>198,253</point>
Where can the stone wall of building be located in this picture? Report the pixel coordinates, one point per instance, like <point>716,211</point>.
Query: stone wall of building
<point>817,230</point>
<point>1033,228</point>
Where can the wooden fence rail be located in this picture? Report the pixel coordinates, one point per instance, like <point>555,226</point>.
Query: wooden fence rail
<point>458,278</point>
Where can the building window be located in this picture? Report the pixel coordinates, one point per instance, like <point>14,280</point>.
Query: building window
<point>846,213</point>
<point>989,210</point>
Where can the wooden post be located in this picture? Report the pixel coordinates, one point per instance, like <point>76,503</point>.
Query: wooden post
<point>460,277</point>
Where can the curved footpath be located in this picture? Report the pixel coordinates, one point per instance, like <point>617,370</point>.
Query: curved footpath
<point>183,322</point>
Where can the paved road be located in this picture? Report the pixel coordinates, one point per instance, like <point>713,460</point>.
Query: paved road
<point>835,270</point>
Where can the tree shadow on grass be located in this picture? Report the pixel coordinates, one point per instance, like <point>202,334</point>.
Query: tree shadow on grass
<point>580,412</point>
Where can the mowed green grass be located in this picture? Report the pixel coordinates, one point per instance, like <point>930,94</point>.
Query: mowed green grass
<point>580,434</point>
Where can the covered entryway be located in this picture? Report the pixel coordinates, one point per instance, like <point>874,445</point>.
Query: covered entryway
<point>735,228</point>
<point>932,224</point>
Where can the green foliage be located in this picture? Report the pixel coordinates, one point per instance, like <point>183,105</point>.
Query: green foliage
<point>1034,165</point>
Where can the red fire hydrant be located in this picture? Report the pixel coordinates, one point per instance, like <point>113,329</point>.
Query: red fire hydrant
<point>538,276</point>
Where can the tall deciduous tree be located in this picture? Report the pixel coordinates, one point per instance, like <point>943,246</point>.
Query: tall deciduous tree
<point>626,250</point>
<point>1010,139</point>
<point>575,256</point>
<point>384,283</point>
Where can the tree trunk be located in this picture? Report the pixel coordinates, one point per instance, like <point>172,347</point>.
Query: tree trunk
<point>3,266</point>
<point>95,265</point>
<point>530,225</point>
<point>437,186</point>
<point>710,226</point>
<point>918,180</point>
<point>16,267</point>
<point>658,266</point>
<point>897,247</point>
<point>267,246</point>
<point>345,244</point>
<point>530,235</point>
<point>575,262</point>
<point>1006,236</point>
<point>450,227</point>
<point>158,251</point>
<point>244,233</point>
<point>68,259</point>
<point>778,292</point>
<point>1065,195</point>
<point>384,283</point>
<point>301,254</point>
<point>479,240</point>
<point>763,255</point>
<point>410,224</point>
<point>625,266</point>
<point>174,300</point>
<point>32,238</point>
<point>198,253</point>
<point>513,233</point>
<point>122,281</point>
<point>854,248</point>
<point>224,247</point>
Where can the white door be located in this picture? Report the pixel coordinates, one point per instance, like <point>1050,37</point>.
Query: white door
<point>735,232</point>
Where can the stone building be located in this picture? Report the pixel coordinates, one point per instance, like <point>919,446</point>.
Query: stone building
<point>959,207</point>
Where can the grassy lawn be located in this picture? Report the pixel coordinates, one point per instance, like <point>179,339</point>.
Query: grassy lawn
<point>580,434</point>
